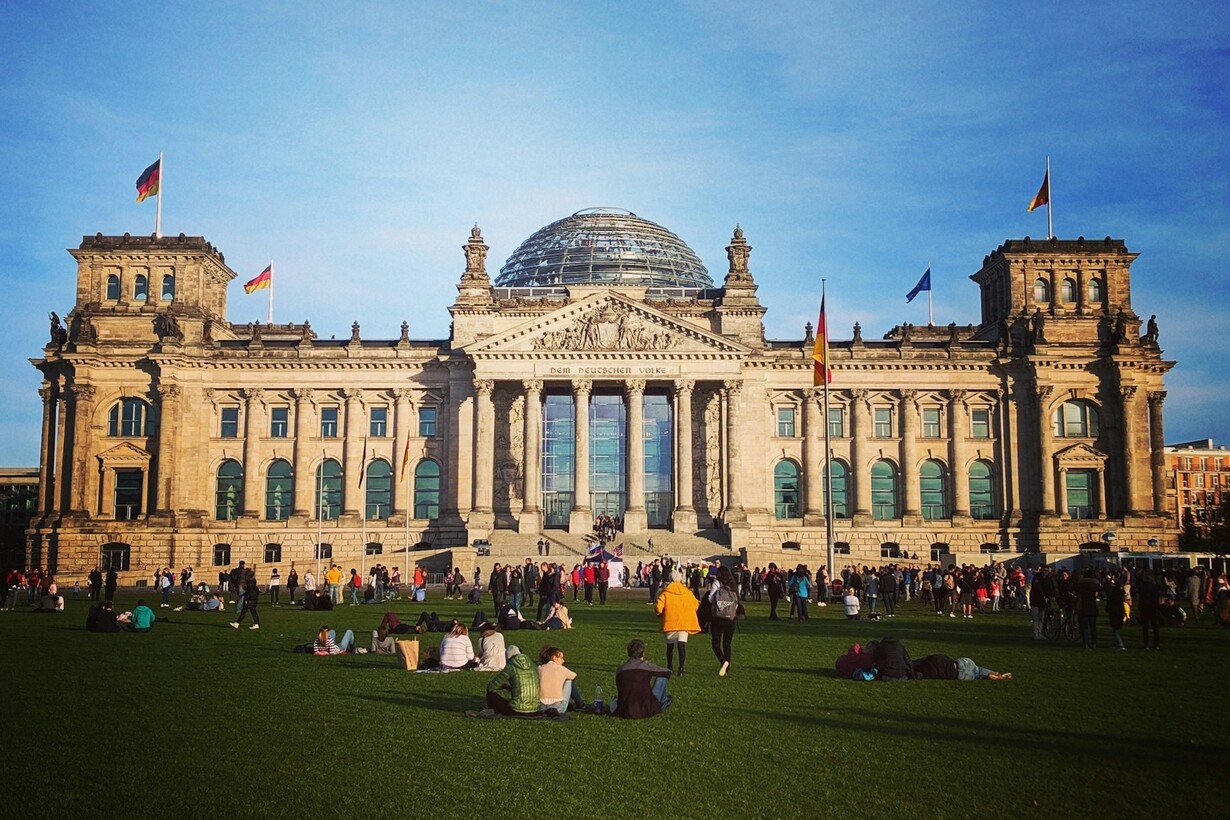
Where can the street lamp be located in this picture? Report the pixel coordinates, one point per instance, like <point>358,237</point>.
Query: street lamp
<point>1153,544</point>
<point>1109,538</point>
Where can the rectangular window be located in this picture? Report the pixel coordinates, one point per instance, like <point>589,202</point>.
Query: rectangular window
<point>1080,494</point>
<point>324,552</point>
<point>785,422</point>
<point>378,422</point>
<point>328,422</point>
<point>980,423</point>
<point>279,422</point>
<point>884,422</point>
<point>837,423</point>
<point>1200,479</point>
<point>931,422</point>
<point>427,422</point>
<point>273,553</point>
<point>127,494</point>
<point>230,422</point>
<point>374,548</point>
<point>116,557</point>
<point>222,555</point>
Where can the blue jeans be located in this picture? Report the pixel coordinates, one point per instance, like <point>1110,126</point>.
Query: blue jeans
<point>801,602</point>
<point>871,600</point>
<point>166,595</point>
<point>354,595</point>
<point>347,641</point>
<point>571,696</point>
<point>379,590</point>
<point>514,599</point>
<point>239,602</point>
<point>968,670</point>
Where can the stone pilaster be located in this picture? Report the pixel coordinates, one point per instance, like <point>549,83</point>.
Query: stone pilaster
<point>732,392</point>
<point>634,512</point>
<point>581,518</point>
<point>305,488</point>
<point>1157,454</point>
<point>352,454</point>
<point>404,430</point>
<point>860,446</point>
<point>484,454</point>
<point>912,514</point>
<point>683,519</point>
<point>530,519</point>
<point>1049,503</point>
<point>813,457</point>
<point>165,499</point>
<point>958,470</point>
<point>253,480</point>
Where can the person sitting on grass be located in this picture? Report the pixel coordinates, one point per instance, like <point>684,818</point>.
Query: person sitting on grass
<point>142,618</point>
<point>557,618</point>
<point>640,686</point>
<point>383,643</point>
<point>317,600</point>
<point>557,686</point>
<point>326,642</point>
<point>943,667</point>
<point>511,619</point>
<point>519,679</point>
<point>476,593</point>
<point>102,618</point>
<point>456,650</point>
<point>491,649</point>
<point>850,602</point>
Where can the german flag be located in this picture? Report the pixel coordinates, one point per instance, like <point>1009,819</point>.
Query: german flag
<point>821,374</point>
<point>264,281</point>
<point>1043,197</point>
<point>147,183</point>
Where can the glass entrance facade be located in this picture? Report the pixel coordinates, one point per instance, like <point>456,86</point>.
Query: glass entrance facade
<point>608,451</point>
<point>659,460</point>
<point>558,459</point>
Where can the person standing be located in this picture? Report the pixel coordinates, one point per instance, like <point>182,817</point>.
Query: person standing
<point>275,587</point>
<point>236,580</point>
<point>723,609</point>
<point>676,608</point>
<point>497,585</point>
<point>802,590</point>
<point>166,582</point>
<point>309,583</point>
<point>773,585</point>
<point>590,578</point>
<point>1087,594</point>
<point>249,600</point>
<point>333,581</point>
<point>1149,596</point>
<point>292,583</point>
<point>112,583</point>
<point>604,582</point>
<point>96,580</point>
<point>1116,611</point>
<point>655,578</point>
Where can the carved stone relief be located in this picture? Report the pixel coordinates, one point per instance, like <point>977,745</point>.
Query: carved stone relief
<point>609,326</point>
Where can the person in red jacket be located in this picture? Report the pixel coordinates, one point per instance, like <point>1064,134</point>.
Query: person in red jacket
<point>591,577</point>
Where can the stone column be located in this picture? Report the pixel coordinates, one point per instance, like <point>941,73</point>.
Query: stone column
<point>1049,503</point>
<point>1157,444</point>
<point>62,479</point>
<point>1062,509</point>
<point>1009,454</point>
<point>734,513</point>
<point>168,427</point>
<point>957,457</point>
<point>860,444</point>
<point>813,457</point>
<point>683,519</point>
<point>484,454</point>
<point>46,463</point>
<point>634,511</point>
<point>305,484</point>
<point>581,518</point>
<point>531,472</point>
<point>909,458</point>
<point>83,412</point>
<point>1132,499</point>
<point>352,454</point>
<point>403,430</point>
<point>1102,492</point>
<point>252,420</point>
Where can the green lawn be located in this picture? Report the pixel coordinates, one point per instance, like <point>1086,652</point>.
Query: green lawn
<point>196,718</point>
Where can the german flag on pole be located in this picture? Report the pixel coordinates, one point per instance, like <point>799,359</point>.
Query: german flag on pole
<point>262,282</point>
<point>821,372</point>
<point>1043,197</point>
<point>147,183</point>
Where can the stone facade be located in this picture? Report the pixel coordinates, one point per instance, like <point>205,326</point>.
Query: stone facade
<point>173,437</point>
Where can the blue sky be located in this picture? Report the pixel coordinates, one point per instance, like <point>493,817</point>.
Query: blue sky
<point>357,143</point>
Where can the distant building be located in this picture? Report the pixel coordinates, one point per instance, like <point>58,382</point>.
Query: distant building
<point>1198,479</point>
<point>603,372</point>
<point>18,501</point>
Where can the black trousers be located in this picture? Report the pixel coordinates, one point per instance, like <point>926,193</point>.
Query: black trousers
<point>721,632</point>
<point>602,588</point>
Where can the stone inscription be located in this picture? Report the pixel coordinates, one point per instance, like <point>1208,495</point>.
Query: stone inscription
<point>606,371</point>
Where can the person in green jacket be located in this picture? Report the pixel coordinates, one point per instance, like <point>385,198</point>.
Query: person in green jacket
<point>142,618</point>
<point>519,678</point>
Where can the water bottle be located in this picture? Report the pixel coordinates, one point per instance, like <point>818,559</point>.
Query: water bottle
<point>598,700</point>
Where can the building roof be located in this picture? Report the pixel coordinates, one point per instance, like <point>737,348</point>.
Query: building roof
<point>604,246</point>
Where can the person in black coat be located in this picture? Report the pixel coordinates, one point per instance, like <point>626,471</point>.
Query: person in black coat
<point>251,600</point>
<point>892,661</point>
<point>112,583</point>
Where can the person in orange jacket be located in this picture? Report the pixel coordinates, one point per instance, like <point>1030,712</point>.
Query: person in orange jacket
<point>676,607</point>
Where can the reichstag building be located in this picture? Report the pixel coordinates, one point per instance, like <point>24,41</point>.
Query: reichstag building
<point>603,372</point>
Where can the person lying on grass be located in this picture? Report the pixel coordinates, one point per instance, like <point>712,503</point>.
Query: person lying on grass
<point>430,622</point>
<point>943,667</point>
<point>326,642</point>
<point>212,603</point>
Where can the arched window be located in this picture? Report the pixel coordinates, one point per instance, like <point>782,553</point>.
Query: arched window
<point>113,288</point>
<point>786,490</point>
<point>1095,291</point>
<point>130,417</point>
<point>427,490</point>
<point>885,498</point>
<point>981,491</point>
<point>933,490</point>
<point>140,288</point>
<point>840,482</point>
<point>168,288</point>
<point>1042,290</point>
<point>328,490</point>
<point>379,483</point>
<point>1067,290</point>
<point>1076,419</point>
<point>279,490</point>
<point>228,493</point>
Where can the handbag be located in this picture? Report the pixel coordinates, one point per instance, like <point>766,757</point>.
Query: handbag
<point>408,653</point>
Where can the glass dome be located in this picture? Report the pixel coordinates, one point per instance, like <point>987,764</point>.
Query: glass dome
<point>604,246</point>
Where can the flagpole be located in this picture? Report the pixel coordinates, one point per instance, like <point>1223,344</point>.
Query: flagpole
<point>158,210</point>
<point>271,278</point>
<point>930,317</point>
<point>320,509</point>
<point>828,473</point>
<point>1050,197</point>
<point>363,512</point>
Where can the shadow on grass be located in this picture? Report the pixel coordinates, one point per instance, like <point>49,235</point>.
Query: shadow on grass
<point>455,704</point>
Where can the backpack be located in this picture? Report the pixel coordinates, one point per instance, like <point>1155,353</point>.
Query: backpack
<point>725,604</point>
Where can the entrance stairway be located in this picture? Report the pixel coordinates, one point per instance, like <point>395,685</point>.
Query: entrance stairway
<point>509,546</point>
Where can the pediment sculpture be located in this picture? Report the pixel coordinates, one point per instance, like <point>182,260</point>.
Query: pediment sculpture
<point>609,326</point>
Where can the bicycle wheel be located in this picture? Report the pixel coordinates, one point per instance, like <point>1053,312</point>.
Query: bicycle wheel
<point>1050,625</point>
<point>1069,628</point>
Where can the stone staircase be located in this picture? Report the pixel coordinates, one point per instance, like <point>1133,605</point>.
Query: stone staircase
<point>508,546</point>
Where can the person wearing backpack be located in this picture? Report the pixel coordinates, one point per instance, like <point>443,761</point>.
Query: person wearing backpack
<point>723,609</point>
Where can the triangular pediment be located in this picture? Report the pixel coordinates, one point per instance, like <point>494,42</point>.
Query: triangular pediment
<point>124,454</point>
<point>605,323</point>
<point>1080,455</point>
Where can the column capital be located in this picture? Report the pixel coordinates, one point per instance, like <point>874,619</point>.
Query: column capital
<point>1157,397</point>
<point>1043,391</point>
<point>684,385</point>
<point>859,395</point>
<point>169,391</point>
<point>1127,391</point>
<point>252,394</point>
<point>84,392</point>
<point>813,394</point>
<point>634,386</point>
<point>957,395</point>
<point>580,386</point>
<point>732,386</point>
<point>532,385</point>
<point>484,387</point>
<point>404,394</point>
<point>352,394</point>
<point>45,394</point>
<point>303,394</point>
<point>909,394</point>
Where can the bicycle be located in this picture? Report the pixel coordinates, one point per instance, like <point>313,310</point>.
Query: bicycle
<point>1058,623</point>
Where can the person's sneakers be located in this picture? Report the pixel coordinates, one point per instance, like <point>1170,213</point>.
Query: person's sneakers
<point>255,626</point>
<point>179,609</point>
<point>722,670</point>
<point>234,625</point>
<point>952,614</point>
<point>360,650</point>
<point>1000,676</point>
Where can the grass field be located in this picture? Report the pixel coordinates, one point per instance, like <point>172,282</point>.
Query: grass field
<point>197,719</point>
